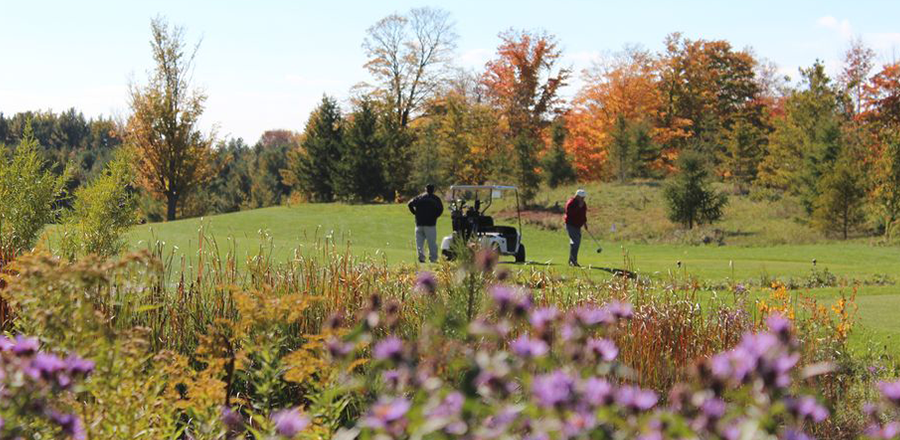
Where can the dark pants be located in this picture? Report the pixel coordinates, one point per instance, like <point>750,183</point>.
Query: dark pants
<point>574,242</point>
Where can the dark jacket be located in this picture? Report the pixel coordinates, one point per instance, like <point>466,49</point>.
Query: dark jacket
<point>427,208</point>
<point>576,214</point>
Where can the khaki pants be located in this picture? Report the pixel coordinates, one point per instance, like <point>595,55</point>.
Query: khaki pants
<point>427,233</point>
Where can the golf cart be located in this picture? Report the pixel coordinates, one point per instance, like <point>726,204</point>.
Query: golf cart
<point>468,205</point>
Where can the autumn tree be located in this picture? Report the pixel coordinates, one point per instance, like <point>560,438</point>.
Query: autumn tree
<point>172,155</point>
<point>858,63</point>
<point>523,82</point>
<point>407,56</point>
<point>311,168</point>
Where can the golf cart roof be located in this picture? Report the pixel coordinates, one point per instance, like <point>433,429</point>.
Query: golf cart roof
<point>477,187</point>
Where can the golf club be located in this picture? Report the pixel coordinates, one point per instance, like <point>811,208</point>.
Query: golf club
<point>599,249</point>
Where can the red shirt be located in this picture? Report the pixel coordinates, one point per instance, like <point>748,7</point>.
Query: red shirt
<point>576,213</point>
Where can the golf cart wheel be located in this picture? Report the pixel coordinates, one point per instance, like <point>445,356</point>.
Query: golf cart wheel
<point>449,255</point>
<point>520,254</point>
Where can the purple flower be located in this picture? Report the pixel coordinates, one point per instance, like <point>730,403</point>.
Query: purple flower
<point>426,282</point>
<point>386,414</point>
<point>620,310</point>
<point>77,365</point>
<point>70,425</point>
<point>713,408</point>
<point>46,365</point>
<point>450,406</point>
<point>806,407</point>
<point>289,422</point>
<point>603,348</point>
<point>579,422</point>
<point>509,300</point>
<point>791,434</point>
<point>596,391</point>
<point>390,347</point>
<point>25,346</point>
<point>635,398</point>
<point>5,343</point>
<point>232,420</point>
<point>780,326</point>
<point>553,389</point>
<point>886,432</point>
<point>541,317</point>
<point>591,316</point>
<point>890,391</point>
<point>525,347</point>
<point>338,348</point>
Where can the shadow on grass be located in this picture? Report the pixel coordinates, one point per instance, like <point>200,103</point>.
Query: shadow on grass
<point>619,272</point>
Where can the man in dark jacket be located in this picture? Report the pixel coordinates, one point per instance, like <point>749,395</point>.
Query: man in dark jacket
<point>576,218</point>
<point>427,208</point>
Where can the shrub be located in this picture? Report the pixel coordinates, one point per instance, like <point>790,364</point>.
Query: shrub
<point>28,192</point>
<point>102,214</point>
<point>690,199</point>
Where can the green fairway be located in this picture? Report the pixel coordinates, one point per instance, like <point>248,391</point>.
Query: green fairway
<point>387,230</point>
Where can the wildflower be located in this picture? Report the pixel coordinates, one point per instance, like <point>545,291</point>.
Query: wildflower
<point>578,423</point>
<point>450,406</point>
<point>603,348</point>
<point>596,391</point>
<point>620,310</point>
<point>426,282</point>
<point>780,326</point>
<point>553,389</point>
<point>289,422</point>
<point>635,398</point>
<point>486,260</point>
<point>713,408</point>
<point>232,420</point>
<point>806,407</point>
<point>389,348</point>
<point>45,366</point>
<point>890,391</point>
<point>25,346</point>
<point>388,414</point>
<point>77,365</point>
<point>791,434</point>
<point>335,321</point>
<point>70,425</point>
<point>886,432</point>
<point>503,296</point>
<point>541,317</point>
<point>5,343</point>
<point>338,348</point>
<point>590,316</point>
<point>525,347</point>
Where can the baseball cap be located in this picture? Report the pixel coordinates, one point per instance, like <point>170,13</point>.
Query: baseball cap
<point>581,193</point>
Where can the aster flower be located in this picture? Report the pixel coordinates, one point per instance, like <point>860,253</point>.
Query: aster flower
<point>426,282</point>
<point>713,408</point>
<point>389,348</point>
<point>807,408</point>
<point>5,343</point>
<point>70,425</point>
<point>590,316</point>
<point>289,422</point>
<point>232,420</point>
<point>528,348</point>
<point>541,317</point>
<point>887,432</point>
<point>25,346</point>
<point>387,414</point>
<point>503,296</point>
<point>596,391</point>
<point>603,348</point>
<point>79,366</point>
<point>45,366</point>
<point>553,389</point>
<point>338,348</point>
<point>890,391</point>
<point>620,310</point>
<point>635,398</point>
<point>791,434</point>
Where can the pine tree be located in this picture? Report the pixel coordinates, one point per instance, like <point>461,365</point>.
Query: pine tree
<point>689,196</point>
<point>360,174</point>
<point>622,149</point>
<point>839,204</point>
<point>311,168</point>
<point>557,164</point>
<point>526,172</point>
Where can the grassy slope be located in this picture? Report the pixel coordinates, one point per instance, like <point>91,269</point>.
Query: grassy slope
<point>387,231</point>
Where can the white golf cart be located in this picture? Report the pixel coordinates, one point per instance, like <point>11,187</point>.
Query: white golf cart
<point>468,205</point>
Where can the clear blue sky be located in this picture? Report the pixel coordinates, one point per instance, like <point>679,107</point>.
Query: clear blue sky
<point>265,64</point>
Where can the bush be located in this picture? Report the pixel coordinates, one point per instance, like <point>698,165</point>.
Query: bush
<point>102,214</point>
<point>28,192</point>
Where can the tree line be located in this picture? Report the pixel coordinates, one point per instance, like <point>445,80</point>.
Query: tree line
<point>830,142</point>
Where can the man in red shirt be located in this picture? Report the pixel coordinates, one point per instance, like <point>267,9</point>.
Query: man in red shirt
<point>576,217</point>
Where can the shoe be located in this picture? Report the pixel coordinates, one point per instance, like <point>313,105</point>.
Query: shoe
<point>422,261</point>
<point>574,264</point>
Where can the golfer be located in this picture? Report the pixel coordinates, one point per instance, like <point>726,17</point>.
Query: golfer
<point>427,208</point>
<point>576,218</point>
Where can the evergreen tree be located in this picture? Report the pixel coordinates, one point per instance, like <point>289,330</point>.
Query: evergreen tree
<point>689,196</point>
<point>621,149</point>
<point>840,200</point>
<point>526,172</point>
<point>557,164</point>
<point>743,148</point>
<point>311,167</point>
<point>360,173</point>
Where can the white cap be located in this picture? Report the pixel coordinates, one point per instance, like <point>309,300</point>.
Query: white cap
<point>581,193</point>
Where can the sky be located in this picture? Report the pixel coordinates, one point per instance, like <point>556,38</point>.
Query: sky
<point>265,64</point>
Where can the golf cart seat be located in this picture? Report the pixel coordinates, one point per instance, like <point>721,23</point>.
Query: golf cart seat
<point>485,223</point>
<point>509,233</point>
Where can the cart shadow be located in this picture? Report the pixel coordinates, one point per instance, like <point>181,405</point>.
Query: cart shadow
<point>620,272</point>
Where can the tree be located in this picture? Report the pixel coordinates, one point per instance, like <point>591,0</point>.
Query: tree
<point>886,180</point>
<point>621,149</point>
<point>360,173</point>
<point>557,166</point>
<point>407,56</point>
<point>526,163</point>
<point>839,203</point>
<point>311,167</point>
<point>28,192</point>
<point>744,144</point>
<point>689,196</point>
<point>523,82</point>
<point>172,155</point>
<point>858,63</point>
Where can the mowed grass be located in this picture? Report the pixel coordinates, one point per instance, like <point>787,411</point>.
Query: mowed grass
<point>386,231</point>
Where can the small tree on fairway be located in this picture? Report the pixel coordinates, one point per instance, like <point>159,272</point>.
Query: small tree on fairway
<point>526,172</point>
<point>839,204</point>
<point>557,164</point>
<point>689,196</point>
